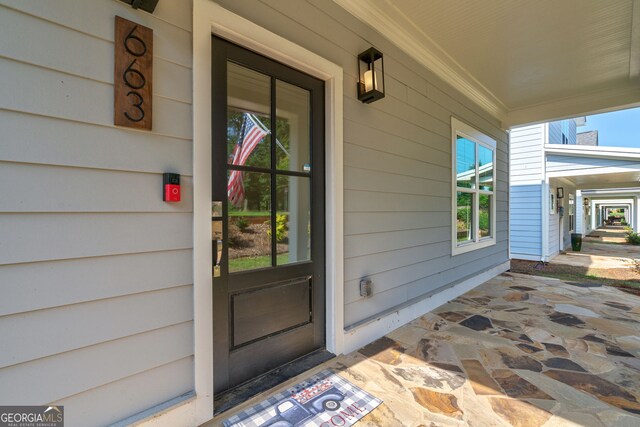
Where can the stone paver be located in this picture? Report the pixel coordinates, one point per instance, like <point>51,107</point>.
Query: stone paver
<point>518,350</point>
<point>596,253</point>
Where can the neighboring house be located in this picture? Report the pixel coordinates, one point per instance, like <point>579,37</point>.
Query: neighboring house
<point>128,309</point>
<point>562,183</point>
<point>587,138</point>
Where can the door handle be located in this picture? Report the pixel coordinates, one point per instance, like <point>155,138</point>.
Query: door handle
<point>216,246</point>
<point>216,252</point>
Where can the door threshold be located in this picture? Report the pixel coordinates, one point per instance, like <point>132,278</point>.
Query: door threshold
<point>245,391</point>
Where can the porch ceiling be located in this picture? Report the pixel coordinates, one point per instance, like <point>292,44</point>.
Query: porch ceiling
<point>523,61</point>
<point>609,180</point>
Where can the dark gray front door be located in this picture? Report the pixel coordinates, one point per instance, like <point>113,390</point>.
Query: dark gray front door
<point>267,214</point>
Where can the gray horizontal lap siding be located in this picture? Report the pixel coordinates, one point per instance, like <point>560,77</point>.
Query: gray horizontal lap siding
<point>110,272</point>
<point>96,271</point>
<point>397,161</point>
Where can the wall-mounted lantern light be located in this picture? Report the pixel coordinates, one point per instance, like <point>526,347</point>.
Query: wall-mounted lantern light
<point>146,5</point>
<point>560,193</point>
<point>370,75</point>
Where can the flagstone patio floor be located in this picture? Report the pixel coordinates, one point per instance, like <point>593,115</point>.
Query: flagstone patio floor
<point>518,350</point>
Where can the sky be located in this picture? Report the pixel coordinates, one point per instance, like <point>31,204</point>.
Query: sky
<point>616,129</point>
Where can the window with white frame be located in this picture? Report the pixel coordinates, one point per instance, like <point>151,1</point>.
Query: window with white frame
<point>473,189</point>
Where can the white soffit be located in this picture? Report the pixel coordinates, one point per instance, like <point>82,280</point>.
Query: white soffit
<point>522,61</point>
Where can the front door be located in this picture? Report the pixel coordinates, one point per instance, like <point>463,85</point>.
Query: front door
<point>267,214</point>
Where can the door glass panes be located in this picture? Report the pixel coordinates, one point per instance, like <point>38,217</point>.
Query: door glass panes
<point>464,223</point>
<point>249,220</point>
<point>484,219</point>
<point>292,127</point>
<point>465,162</point>
<point>293,219</point>
<point>485,168</point>
<point>248,119</point>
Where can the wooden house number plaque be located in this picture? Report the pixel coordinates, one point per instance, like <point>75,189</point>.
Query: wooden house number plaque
<point>133,74</point>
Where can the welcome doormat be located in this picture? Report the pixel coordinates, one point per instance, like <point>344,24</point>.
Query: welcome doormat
<point>324,400</point>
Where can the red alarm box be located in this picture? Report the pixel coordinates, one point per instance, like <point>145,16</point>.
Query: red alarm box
<point>171,183</point>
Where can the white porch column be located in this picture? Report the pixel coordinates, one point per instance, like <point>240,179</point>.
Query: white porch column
<point>579,213</point>
<point>545,220</point>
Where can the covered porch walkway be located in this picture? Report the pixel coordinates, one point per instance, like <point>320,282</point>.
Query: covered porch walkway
<point>608,234</point>
<point>518,350</point>
<point>605,253</point>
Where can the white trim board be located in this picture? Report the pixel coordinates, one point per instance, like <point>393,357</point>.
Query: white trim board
<point>371,331</point>
<point>598,152</point>
<point>210,18</point>
<point>594,171</point>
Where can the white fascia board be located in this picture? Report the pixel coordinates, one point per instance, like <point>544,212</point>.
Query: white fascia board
<point>611,191</point>
<point>614,153</point>
<point>624,201</point>
<point>594,171</point>
<point>599,198</point>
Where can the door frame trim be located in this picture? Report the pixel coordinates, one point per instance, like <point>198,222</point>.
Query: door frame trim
<point>210,18</point>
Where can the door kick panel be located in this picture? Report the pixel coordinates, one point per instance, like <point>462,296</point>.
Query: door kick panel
<point>267,311</point>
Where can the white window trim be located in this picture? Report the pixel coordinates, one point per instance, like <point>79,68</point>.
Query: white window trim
<point>460,128</point>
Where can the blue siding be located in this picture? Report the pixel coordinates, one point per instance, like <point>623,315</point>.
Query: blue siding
<point>526,162</point>
<point>566,127</point>
<point>526,222</point>
<point>572,131</point>
<point>555,133</point>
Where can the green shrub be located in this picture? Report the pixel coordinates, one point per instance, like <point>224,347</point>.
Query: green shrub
<point>484,220</point>
<point>464,219</point>
<point>281,228</point>
<point>633,238</point>
<point>242,224</point>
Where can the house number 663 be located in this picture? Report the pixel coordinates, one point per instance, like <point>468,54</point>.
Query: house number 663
<point>132,77</point>
<point>134,57</point>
